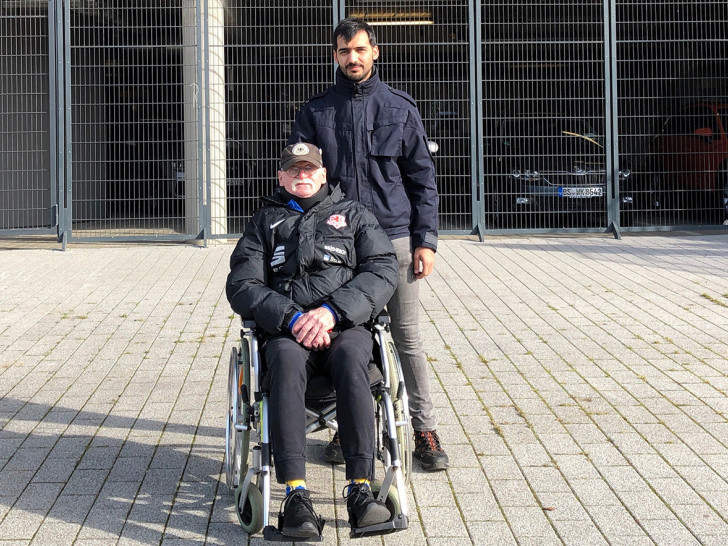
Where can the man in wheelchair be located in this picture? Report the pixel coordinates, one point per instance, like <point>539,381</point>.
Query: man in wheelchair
<point>311,269</point>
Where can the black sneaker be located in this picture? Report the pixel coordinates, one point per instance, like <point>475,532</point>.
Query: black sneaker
<point>429,451</point>
<point>333,453</point>
<point>364,510</point>
<point>299,519</point>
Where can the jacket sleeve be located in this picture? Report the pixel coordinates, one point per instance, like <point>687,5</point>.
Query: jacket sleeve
<point>246,287</point>
<point>375,277</point>
<point>418,175</point>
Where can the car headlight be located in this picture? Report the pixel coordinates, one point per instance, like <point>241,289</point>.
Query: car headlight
<point>526,175</point>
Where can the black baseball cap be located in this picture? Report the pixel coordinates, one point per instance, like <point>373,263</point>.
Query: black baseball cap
<point>301,151</point>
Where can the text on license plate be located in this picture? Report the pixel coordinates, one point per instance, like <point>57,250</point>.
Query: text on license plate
<point>581,191</point>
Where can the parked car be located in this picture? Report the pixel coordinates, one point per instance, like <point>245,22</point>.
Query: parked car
<point>691,160</point>
<point>553,165</point>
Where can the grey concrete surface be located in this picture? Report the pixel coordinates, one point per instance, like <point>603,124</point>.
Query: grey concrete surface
<point>581,385</point>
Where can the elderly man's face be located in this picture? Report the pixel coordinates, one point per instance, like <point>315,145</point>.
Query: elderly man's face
<point>357,57</point>
<point>303,179</point>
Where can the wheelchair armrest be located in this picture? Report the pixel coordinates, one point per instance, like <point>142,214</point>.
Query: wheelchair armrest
<point>249,324</point>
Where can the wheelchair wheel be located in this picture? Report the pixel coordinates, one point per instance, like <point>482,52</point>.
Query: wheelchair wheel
<point>250,514</point>
<point>236,441</point>
<point>401,411</point>
<point>392,500</point>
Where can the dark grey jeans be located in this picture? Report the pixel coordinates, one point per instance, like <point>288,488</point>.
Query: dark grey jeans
<point>404,308</point>
<point>346,362</point>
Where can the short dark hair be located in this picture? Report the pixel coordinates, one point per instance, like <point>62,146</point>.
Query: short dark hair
<point>350,27</point>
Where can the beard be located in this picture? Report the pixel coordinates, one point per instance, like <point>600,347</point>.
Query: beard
<point>357,77</point>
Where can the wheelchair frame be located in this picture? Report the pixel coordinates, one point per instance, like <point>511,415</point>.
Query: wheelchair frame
<point>248,414</point>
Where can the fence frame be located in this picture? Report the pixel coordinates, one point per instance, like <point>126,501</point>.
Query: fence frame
<point>60,134</point>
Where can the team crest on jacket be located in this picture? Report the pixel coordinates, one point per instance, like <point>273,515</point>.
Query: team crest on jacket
<point>337,220</point>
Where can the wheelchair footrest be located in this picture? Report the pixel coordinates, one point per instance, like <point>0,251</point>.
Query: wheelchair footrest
<point>272,534</point>
<point>399,523</point>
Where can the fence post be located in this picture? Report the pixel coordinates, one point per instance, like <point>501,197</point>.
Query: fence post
<point>610,123</point>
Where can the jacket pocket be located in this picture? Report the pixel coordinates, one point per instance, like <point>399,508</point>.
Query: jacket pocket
<point>386,139</point>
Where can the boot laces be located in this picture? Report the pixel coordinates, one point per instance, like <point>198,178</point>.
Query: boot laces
<point>354,489</point>
<point>306,501</point>
<point>429,440</point>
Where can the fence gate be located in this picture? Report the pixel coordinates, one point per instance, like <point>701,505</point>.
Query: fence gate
<point>425,51</point>
<point>28,192</point>
<point>673,111</point>
<point>545,123</point>
<point>276,54</point>
<point>135,98</point>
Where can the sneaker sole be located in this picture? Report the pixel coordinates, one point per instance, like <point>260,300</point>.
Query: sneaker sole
<point>432,467</point>
<point>301,532</point>
<point>372,519</point>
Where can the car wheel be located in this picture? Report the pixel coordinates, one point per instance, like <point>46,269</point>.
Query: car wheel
<point>655,200</point>
<point>654,197</point>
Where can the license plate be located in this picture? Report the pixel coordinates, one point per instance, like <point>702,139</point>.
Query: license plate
<point>581,192</point>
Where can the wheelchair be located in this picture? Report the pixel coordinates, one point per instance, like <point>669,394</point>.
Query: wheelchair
<point>248,454</point>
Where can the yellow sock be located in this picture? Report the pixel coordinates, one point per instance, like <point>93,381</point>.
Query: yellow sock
<point>357,481</point>
<point>295,484</point>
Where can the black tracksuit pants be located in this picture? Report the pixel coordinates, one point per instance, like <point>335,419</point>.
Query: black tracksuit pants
<point>346,362</point>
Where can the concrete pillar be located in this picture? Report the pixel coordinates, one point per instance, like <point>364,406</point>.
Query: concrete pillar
<point>216,109</point>
<point>194,94</point>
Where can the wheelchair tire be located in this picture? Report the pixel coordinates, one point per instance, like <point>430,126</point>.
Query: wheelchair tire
<point>250,516</point>
<point>230,436</point>
<point>237,443</point>
<point>401,412</point>
<point>392,501</point>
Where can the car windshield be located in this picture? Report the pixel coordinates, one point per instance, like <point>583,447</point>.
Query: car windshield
<point>554,136</point>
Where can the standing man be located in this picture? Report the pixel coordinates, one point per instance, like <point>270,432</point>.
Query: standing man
<point>375,150</point>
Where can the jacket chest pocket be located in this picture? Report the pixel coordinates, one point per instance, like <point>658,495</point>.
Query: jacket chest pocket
<point>386,140</point>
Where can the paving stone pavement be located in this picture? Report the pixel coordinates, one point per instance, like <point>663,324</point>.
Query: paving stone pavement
<point>581,385</point>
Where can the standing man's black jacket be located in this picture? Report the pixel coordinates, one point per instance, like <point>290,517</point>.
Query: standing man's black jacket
<point>375,149</point>
<point>335,253</point>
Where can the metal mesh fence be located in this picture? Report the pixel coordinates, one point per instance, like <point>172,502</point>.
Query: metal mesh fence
<point>673,110</point>
<point>543,104</point>
<point>424,50</point>
<point>179,109</point>
<point>277,55</point>
<point>26,195</point>
<point>133,88</point>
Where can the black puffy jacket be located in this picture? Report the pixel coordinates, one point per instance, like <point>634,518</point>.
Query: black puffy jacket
<point>287,261</point>
<point>374,147</point>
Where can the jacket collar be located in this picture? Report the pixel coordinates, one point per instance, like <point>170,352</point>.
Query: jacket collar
<point>348,87</point>
<point>335,195</point>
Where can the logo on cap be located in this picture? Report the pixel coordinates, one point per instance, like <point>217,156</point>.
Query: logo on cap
<point>300,149</point>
